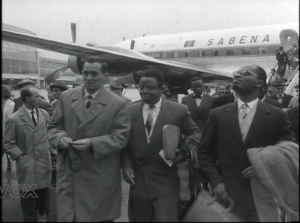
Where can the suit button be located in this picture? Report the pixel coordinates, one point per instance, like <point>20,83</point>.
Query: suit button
<point>36,159</point>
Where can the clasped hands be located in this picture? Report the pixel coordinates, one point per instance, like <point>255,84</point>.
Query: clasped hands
<point>79,145</point>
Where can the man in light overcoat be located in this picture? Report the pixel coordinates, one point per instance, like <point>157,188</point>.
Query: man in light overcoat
<point>90,126</point>
<point>25,140</point>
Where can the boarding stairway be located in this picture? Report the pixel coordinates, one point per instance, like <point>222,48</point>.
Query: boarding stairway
<point>292,81</point>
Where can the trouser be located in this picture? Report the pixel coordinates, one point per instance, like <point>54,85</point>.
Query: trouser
<point>9,164</point>
<point>33,202</point>
<point>162,209</point>
<point>281,69</point>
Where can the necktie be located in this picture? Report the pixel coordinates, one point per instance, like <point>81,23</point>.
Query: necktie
<point>88,104</point>
<point>33,118</point>
<point>149,121</point>
<point>244,111</point>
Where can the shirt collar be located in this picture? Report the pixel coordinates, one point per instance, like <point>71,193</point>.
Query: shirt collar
<point>264,98</point>
<point>157,105</point>
<point>251,104</point>
<point>87,94</point>
<point>28,110</point>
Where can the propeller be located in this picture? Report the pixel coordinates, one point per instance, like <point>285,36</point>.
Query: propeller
<point>59,72</point>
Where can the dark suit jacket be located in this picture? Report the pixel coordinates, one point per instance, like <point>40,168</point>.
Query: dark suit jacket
<point>272,102</point>
<point>293,114</point>
<point>198,114</point>
<point>43,105</point>
<point>285,101</point>
<point>153,177</point>
<point>223,100</point>
<point>281,58</point>
<point>222,146</point>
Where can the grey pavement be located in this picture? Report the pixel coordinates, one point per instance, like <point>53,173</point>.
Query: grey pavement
<point>11,209</point>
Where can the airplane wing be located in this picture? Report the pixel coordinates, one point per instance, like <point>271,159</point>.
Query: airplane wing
<point>120,61</point>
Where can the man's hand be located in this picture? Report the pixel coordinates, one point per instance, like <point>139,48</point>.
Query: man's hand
<point>220,193</point>
<point>249,172</point>
<point>64,142</point>
<point>82,144</point>
<point>128,175</point>
<point>182,156</point>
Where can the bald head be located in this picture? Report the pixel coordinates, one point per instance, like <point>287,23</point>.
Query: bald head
<point>257,70</point>
<point>30,97</point>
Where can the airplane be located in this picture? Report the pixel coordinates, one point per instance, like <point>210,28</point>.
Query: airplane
<point>214,54</point>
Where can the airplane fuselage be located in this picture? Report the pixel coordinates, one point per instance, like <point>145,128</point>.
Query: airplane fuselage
<point>224,49</point>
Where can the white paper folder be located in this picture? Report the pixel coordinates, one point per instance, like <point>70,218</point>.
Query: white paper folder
<point>171,137</point>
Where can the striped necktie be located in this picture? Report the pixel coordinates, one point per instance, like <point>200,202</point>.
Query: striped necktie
<point>149,121</point>
<point>244,111</point>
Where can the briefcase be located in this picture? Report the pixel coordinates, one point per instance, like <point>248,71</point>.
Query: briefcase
<point>206,208</point>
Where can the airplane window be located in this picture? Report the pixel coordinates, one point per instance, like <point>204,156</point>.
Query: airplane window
<point>175,54</point>
<point>207,53</point>
<point>182,54</point>
<point>229,53</point>
<point>169,54</point>
<point>216,53</point>
<point>262,50</point>
<point>246,51</point>
<point>272,49</point>
<point>194,53</point>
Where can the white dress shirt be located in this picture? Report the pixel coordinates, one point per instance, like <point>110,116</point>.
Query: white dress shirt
<point>251,105</point>
<point>146,110</point>
<point>29,113</point>
<point>86,94</point>
<point>198,100</point>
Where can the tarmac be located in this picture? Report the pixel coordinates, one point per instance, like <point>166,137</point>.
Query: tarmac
<point>11,209</point>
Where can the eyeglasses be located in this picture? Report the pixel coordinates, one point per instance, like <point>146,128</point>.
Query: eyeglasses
<point>148,88</point>
<point>244,73</point>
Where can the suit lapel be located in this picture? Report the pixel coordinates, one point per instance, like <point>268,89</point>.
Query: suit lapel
<point>40,118</point>
<point>139,128</point>
<point>78,103</point>
<point>259,120</point>
<point>231,117</point>
<point>97,107</point>
<point>163,118</point>
<point>192,102</point>
<point>203,102</point>
<point>25,116</point>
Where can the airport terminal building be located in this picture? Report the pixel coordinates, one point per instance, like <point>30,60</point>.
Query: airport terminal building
<point>22,62</point>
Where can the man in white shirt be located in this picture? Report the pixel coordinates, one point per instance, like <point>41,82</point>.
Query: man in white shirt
<point>154,190</point>
<point>230,131</point>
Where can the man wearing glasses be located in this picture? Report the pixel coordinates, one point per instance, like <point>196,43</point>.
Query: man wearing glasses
<point>230,131</point>
<point>154,186</point>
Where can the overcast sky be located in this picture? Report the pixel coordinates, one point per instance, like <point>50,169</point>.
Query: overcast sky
<point>105,22</point>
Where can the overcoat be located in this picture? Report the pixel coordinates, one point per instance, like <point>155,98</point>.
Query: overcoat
<point>94,192</point>
<point>22,137</point>
<point>7,111</point>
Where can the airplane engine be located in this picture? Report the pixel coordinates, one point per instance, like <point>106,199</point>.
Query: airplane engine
<point>76,64</point>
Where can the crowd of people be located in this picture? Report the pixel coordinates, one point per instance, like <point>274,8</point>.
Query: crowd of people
<point>95,136</point>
